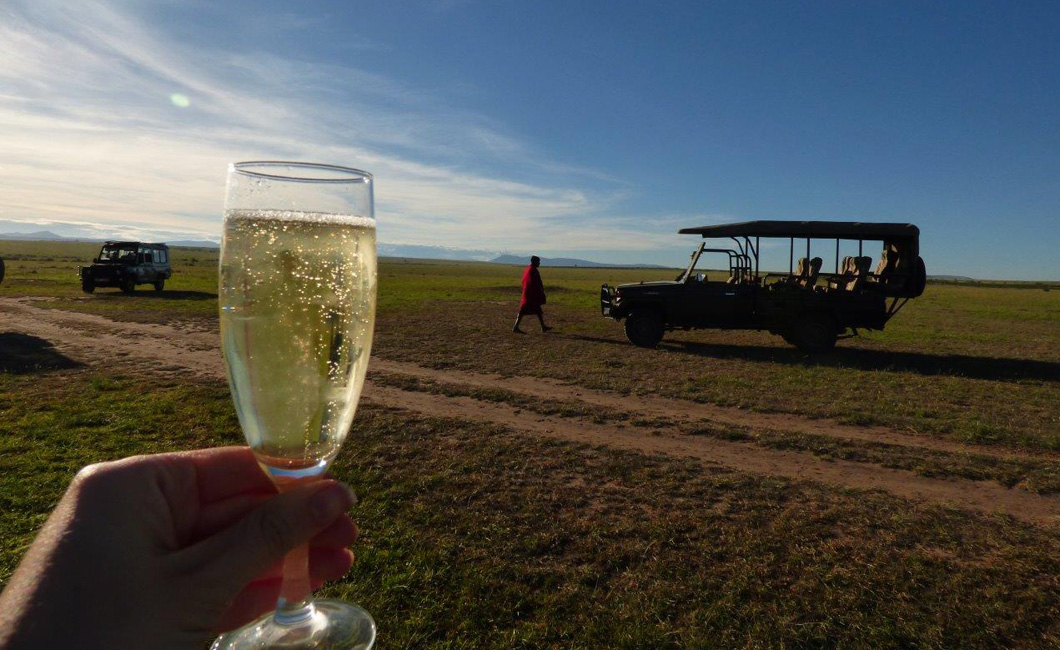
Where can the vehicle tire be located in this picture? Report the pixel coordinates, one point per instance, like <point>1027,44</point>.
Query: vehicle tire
<point>128,285</point>
<point>160,284</point>
<point>87,285</point>
<point>644,329</point>
<point>815,333</point>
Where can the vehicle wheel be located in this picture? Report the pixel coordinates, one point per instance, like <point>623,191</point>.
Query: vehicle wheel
<point>88,286</point>
<point>160,285</point>
<point>128,286</point>
<point>644,329</point>
<point>815,333</point>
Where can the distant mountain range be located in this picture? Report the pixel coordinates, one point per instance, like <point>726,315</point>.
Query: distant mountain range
<point>523,260</point>
<point>47,235</point>
<point>40,235</point>
<point>385,250</point>
<point>435,252</point>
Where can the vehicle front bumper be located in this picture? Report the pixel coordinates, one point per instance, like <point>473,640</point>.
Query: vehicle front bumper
<point>102,277</point>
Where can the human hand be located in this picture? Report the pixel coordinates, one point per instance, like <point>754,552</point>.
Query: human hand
<point>168,550</point>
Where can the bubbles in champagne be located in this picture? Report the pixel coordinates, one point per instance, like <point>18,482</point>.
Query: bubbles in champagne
<point>297,314</point>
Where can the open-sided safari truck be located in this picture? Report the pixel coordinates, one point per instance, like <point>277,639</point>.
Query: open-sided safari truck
<point>810,308</point>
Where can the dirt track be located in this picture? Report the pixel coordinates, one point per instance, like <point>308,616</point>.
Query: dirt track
<point>186,349</point>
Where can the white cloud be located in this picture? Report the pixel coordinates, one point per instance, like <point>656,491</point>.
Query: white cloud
<point>89,133</point>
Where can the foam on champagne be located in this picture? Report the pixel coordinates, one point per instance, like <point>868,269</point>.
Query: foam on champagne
<point>297,315</point>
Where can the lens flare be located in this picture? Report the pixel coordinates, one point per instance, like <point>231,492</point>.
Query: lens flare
<point>180,100</point>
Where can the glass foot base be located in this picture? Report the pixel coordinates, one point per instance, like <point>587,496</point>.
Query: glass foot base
<point>332,625</point>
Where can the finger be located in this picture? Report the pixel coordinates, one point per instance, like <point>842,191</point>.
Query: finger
<point>329,563</point>
<point>237,554</point>
<point>222,514</point>
<point>224,472</point>
<point>254,600</point>
<point>257,599</point>
<point>324,563</point>
<point>219,515</point>
<point>340,534</point>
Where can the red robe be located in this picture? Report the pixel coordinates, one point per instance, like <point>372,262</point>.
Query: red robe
<point>533,292</point>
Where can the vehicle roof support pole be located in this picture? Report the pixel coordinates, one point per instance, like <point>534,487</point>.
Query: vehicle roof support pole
<point>861,252</point>
<point>791,257</point>
<point>895,307</point>
<point>837,256</point>
<point>758,247</point>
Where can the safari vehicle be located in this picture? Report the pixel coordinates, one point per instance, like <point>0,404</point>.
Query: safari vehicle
<point>125,264</point>
<point>809,308</point>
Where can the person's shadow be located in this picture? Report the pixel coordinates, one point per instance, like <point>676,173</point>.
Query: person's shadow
<point>956,365</point>
<point>22,354</point>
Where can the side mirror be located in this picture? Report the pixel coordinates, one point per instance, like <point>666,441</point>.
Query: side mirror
<point>700,277</point>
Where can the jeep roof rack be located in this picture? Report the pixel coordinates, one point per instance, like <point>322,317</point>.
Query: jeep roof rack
<point>132,243</point>
<point>811,229</point>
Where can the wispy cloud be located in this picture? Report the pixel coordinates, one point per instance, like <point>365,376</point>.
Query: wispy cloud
<point>88,133</point>
<point>101,231</point>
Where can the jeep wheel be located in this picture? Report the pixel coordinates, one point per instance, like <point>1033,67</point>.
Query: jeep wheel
<point>644,329</point>
<point>87,285</point>
<point>160,285</point>
<point>815,333</point>
<point>128,285</point>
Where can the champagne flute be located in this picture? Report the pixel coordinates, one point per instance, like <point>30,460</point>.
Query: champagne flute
<point>297,309</point>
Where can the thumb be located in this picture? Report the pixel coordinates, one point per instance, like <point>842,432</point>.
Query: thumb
<point>240,553</point>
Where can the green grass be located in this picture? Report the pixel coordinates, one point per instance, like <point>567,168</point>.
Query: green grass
<point>964,362</point>
<point>1037,476</point>
<point>49,270</point>
<point>476,537</point>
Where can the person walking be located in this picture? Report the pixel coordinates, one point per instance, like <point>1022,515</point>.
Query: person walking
<point>533,296</point>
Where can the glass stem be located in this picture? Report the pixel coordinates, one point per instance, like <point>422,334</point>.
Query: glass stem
<point>294,605</point>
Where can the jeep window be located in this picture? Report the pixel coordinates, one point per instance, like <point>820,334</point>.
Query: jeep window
<point>116,253</point>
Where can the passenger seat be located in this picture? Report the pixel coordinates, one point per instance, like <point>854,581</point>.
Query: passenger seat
<point>810,281</point>
<point>861,271</point>
<point>846,271</point>
<point>802,269</point>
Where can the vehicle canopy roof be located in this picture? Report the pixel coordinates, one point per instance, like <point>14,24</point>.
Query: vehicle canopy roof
<point>122,244</point>
<point>811,229</point>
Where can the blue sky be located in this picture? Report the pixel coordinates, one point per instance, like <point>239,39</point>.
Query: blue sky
<point>561,128</point>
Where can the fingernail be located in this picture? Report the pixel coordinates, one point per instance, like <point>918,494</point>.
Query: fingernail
<point>329,503</point>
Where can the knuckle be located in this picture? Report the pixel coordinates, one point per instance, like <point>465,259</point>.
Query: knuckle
<point>94,476</point>
<point>110,472</point>
<point>274,532</point>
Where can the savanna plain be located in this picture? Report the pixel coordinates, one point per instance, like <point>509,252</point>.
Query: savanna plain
<point>570,490</point>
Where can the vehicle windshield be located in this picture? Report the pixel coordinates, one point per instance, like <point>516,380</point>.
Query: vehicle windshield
<point>117,254</point>
<point>719,263</point>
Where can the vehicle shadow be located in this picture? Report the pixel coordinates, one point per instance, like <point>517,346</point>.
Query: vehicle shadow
<point>955,365</point>
<point>159,295</point>
<point>23,354</point>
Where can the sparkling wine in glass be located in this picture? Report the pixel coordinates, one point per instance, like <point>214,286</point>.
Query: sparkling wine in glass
<point>297,309</point>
